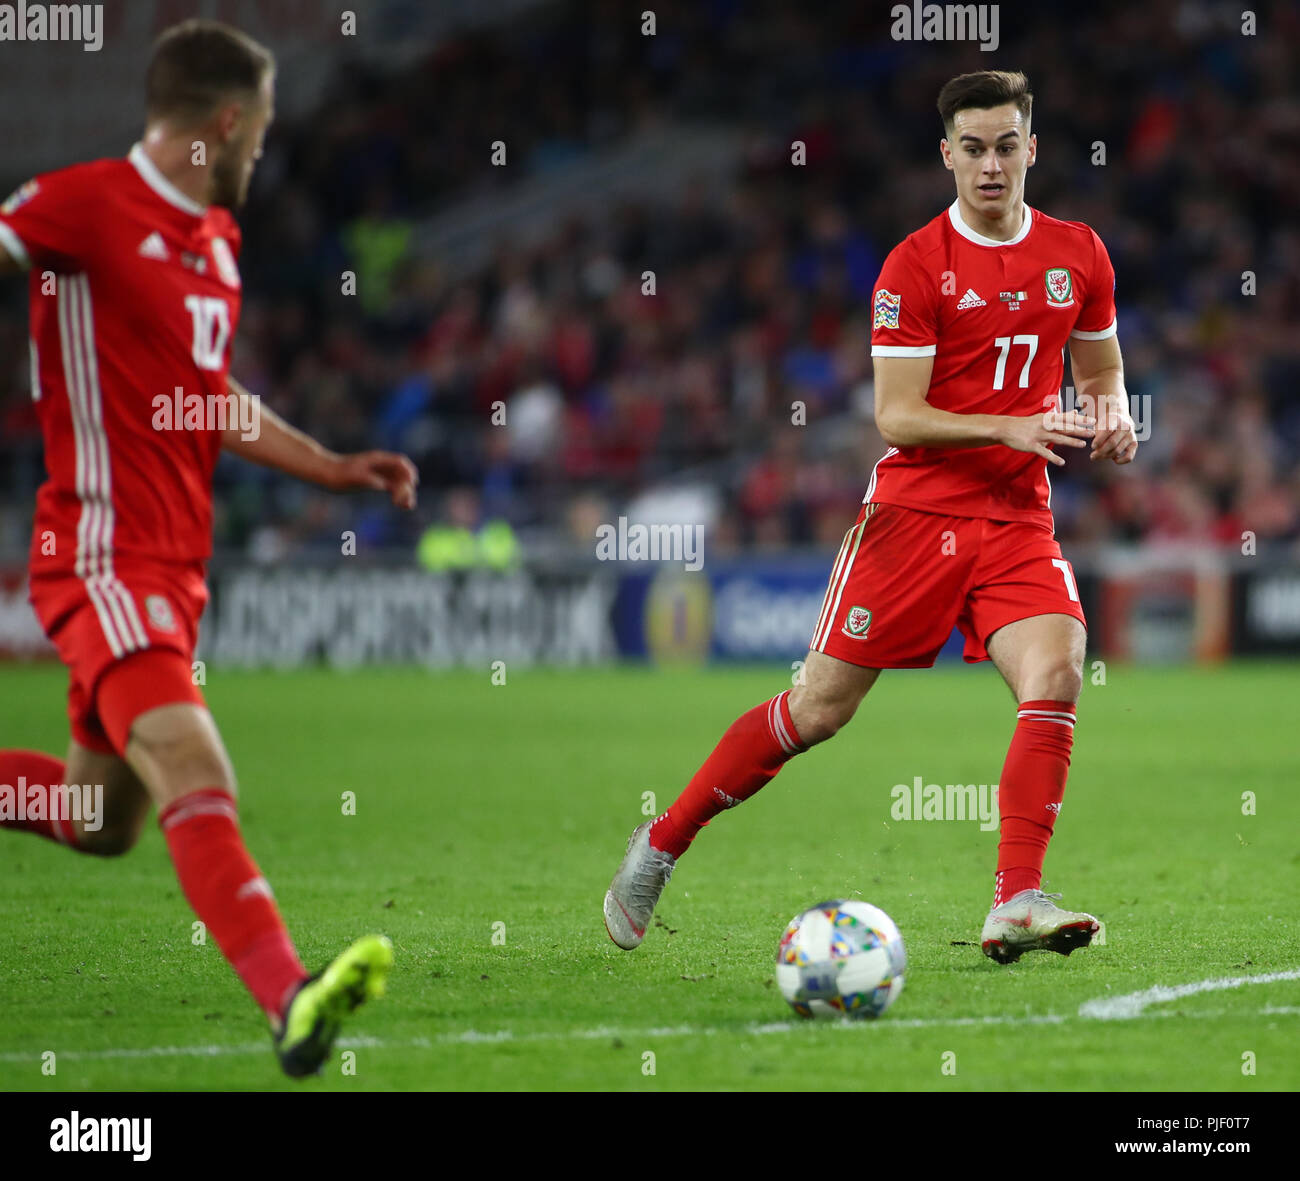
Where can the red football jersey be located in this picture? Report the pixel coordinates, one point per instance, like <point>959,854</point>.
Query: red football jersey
<point>995,316</point>
<point>134,294</point>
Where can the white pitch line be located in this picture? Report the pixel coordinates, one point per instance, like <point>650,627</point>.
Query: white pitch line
<point>474,1037</point>
<point>1132,1004</point>
<point>491,1037</point>
<point>140,1052</point>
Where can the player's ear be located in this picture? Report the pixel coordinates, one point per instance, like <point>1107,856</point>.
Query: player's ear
<point>1033,149</point>
<point>229,119</point>
<point>945,154</point>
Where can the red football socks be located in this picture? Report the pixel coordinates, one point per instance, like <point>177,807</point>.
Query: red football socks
<point>1030,793</point>
<point>230,895</point>
<point>752,751</point>
<point>25,798</point>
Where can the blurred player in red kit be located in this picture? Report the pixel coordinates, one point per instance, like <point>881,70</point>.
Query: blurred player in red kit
<point>970,318</point>
<point>134,302</point>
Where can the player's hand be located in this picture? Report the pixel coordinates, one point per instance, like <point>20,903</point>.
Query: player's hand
<point>384,471</point>
<point>1116,436</point>
<point>1034,433</point>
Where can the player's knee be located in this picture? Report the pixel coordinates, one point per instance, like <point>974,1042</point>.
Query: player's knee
<point>1059,680</point>
<point>117,829</point>
<point>112,825</point>
<point>818,718</point>
<point>108,840</point>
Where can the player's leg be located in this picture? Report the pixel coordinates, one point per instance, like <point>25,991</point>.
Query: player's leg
<point>125,802</point>
<point>890,603</point>
<point>140,726</point>
<point>107,820</point>
<point>894,567</point>
<point>102,813</point>
<point>826,696</point>
<point>1023,612</point>
<point>154,715</point>
<point>29,801</point>
<point>751,752</point>
<point>760,742</point>
<point>1041,657</point>
<point>177,753</point>
<point>1041,660</point>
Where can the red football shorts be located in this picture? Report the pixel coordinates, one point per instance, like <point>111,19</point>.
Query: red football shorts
<point>903,579</point>
<point>128,641</point>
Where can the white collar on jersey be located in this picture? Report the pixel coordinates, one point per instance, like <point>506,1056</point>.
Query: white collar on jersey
<point>954,216</point>
<point>149,173</point>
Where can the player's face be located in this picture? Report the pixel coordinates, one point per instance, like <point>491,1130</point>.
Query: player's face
<point>232,171</point>
<point>989,151</point>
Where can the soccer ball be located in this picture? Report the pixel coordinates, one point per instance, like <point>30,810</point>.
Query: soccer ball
<point>842,958</point>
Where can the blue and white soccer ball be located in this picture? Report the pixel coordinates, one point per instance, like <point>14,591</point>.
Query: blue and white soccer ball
<point>842,958</point>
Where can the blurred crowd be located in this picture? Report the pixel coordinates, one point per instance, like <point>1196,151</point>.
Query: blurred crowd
<point>548,391</point>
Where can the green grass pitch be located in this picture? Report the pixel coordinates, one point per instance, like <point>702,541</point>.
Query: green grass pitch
<point>479,805</point>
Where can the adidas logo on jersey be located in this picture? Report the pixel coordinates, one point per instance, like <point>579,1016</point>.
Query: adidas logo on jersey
<point>971,300</point>
<point>153,247</point>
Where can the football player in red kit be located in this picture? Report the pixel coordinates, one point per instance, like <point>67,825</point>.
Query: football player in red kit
<point>134,301</point>
<point>971,316</point>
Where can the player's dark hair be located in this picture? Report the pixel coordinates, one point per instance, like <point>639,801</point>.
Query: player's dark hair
<point>199,64</point>
<point>982,90</point>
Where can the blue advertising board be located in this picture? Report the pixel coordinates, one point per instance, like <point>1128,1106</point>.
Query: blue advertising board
<point>743,611</point>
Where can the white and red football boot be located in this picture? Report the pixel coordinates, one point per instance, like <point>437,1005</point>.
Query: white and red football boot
<point>1031,921</point>
<point>641,878</point>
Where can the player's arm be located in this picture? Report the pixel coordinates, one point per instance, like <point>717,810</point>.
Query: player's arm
<point>1099,389</point>
<point>53,222</point>
<point>905,419</point>
<point>274,443</point>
